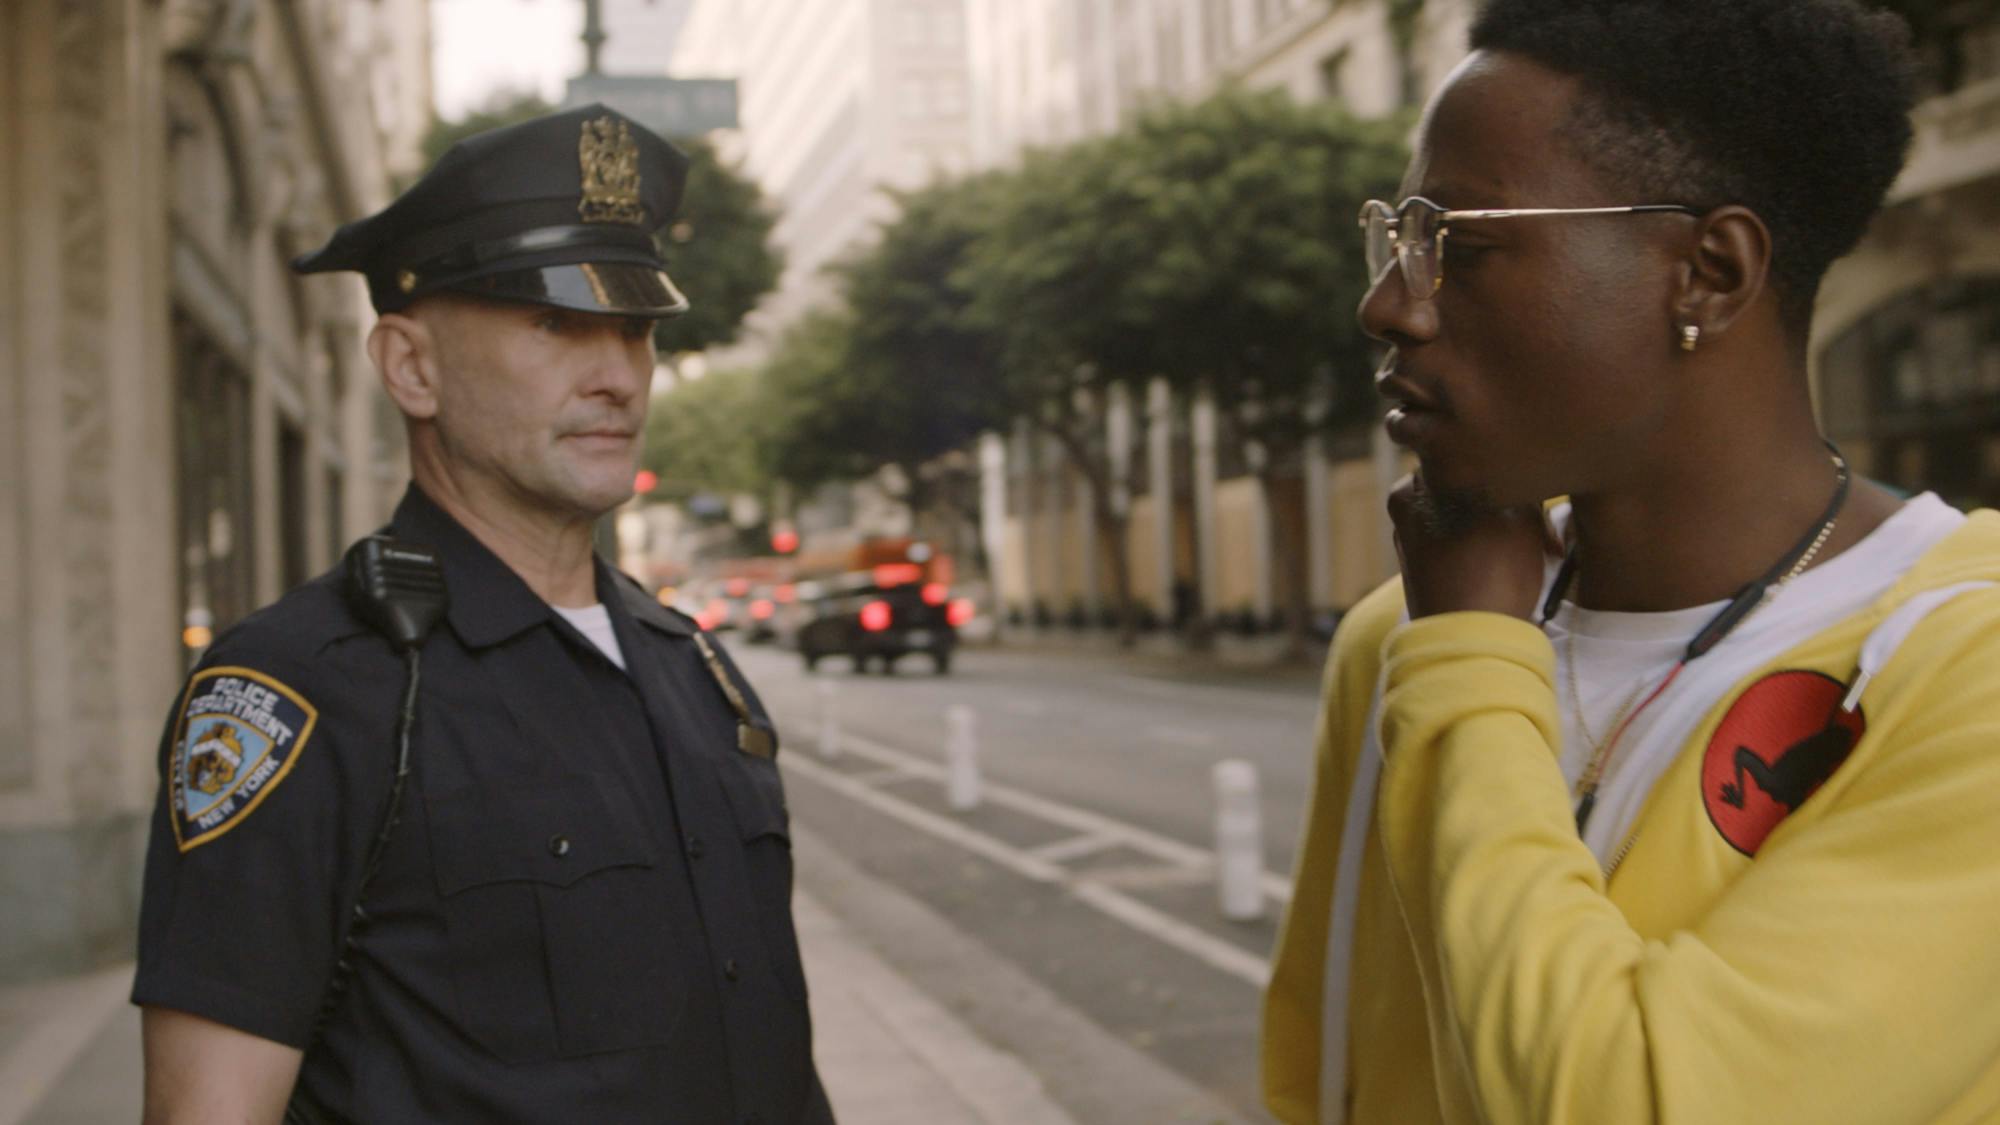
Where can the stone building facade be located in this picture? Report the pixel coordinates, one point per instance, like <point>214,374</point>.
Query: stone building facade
<point>186,429</point>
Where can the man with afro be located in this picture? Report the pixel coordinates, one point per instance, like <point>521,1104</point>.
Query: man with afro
<point>1676,799</point>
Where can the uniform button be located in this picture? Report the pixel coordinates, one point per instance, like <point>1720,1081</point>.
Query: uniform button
<point>694,847</point>
<point>731,969</point>
<point>559,845</point>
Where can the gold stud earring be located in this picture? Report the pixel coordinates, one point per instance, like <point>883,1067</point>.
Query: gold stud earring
<point>1690,336</point>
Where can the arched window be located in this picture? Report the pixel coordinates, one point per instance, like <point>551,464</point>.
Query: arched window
<point>1913,390</point>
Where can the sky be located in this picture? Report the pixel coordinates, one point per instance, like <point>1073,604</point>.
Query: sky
<point>483,46</point>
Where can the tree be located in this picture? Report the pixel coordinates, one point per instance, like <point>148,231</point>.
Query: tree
<point>922,377</point>
<point>1257,272</point>
<point>718,248</point>
<point>504,107</point>
<point>1212,244</point>
<point>817,404</point>
<point>709,435</point>
<point>719,252</point>
<point>1049,277</point>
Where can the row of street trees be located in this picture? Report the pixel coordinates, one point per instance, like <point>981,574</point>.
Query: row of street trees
<point>1211,245</point>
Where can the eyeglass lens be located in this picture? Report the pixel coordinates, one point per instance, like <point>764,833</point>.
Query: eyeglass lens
<point>1410,235</point>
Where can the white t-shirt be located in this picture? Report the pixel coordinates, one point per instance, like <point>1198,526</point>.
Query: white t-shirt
<point>1624,656</point>
<point>594,621</point>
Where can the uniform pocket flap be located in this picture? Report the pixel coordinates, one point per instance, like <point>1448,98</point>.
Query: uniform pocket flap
<point>546,833</point>
<point>756,798</point>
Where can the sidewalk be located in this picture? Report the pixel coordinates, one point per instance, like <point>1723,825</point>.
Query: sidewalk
<point>889,1055</point>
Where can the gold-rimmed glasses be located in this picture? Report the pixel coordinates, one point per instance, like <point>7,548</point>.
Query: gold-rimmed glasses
<point>1414,233</point>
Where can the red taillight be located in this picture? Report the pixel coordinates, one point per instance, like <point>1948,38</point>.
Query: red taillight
<point>961,611</point>
<point>786,594</point>
<point>704,621</point>
<point>875,616</point>
<point>897,574</point>
<point>936,593</point>
<point>738,587</point>
<point>762,609</point>
<point>717,611</point>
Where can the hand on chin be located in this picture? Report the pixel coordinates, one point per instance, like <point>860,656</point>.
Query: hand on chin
<point>1462,552</point>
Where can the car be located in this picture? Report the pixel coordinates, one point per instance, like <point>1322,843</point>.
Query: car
<point>760,611</point>
<point>878,625</point>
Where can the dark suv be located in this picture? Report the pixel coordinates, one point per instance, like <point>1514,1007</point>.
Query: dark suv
<point>871,623</point>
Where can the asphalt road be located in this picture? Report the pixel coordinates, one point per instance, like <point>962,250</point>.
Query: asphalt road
<point>1088,864</point>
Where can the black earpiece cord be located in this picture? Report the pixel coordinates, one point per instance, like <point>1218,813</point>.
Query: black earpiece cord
<point>1740,607</point>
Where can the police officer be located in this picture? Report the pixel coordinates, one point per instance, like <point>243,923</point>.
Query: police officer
<point>580,910</point>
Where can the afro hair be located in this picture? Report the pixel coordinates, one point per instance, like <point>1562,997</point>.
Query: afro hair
<point>1796,109</point>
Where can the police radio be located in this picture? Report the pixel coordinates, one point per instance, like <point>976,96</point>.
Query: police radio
<point>398,590</point>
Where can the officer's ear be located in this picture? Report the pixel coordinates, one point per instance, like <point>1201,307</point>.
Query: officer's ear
<point>404,350</point>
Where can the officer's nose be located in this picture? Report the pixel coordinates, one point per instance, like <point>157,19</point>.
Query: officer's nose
<point>619,358</point>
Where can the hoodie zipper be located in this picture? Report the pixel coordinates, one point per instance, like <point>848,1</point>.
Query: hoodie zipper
<point>1619,857</point>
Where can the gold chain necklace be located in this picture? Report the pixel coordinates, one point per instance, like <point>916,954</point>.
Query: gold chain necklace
<point>1585,792</point>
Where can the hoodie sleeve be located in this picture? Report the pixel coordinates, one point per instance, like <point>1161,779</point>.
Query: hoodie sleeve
<point>1847,975</point>
<point>1292,1002</point>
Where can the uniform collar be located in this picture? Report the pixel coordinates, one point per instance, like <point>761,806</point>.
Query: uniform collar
<point>489,601</point>
<point>641,607</point>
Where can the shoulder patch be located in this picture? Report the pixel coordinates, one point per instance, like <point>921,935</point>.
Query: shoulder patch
<point>239,733</point>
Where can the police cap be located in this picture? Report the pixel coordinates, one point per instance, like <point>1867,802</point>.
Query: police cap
<point>561,210</point>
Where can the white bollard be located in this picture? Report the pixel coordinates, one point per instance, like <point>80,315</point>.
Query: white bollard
<point>829,722</point>
<point>1239,842</point>
<point>961,758</point>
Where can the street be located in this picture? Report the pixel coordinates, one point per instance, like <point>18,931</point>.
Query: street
<point>1087,865</point>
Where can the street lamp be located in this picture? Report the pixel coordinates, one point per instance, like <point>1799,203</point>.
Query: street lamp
<point>593,34</point>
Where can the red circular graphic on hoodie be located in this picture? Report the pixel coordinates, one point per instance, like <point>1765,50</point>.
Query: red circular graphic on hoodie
<point>1779,742</point>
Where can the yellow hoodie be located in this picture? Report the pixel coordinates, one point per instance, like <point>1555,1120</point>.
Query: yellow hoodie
<point>1849,972</point>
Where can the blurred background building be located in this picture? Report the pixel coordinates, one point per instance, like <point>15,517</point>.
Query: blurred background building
<point>839,99</point>
<point>186,429</point>
<point>1906,340</point>
<point>640,34</point>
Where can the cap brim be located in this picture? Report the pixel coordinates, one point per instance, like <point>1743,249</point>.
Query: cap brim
<point>621,288</point>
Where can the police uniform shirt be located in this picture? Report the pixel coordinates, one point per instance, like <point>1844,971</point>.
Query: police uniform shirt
<point>584,912</point>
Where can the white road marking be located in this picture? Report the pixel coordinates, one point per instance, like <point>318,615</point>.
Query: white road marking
<point>888,776</point>
<point>1258,698</point>
<point>1145,878</point>
<point>1081,821</point>
<point>945,828</point>
<point>1075,847</point>
<point>1181,736</point>
<point>1155,923</point>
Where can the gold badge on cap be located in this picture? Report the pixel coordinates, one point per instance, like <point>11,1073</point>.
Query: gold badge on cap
<point>610,160</point>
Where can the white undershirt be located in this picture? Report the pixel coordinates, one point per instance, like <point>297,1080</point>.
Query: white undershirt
<point>1620,654</point>
<point>594,621</point>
